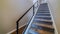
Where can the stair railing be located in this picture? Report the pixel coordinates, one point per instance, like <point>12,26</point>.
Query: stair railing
<point>17,22</point>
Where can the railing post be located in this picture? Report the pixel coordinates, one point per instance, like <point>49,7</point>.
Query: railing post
<point>17,26</point>
<point>33,10</point>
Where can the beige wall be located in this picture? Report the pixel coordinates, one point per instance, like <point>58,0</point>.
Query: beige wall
<point>11,11</point>
<point>54,6</point>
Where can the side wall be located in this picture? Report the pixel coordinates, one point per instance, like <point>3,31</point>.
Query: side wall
<point>55,11</point>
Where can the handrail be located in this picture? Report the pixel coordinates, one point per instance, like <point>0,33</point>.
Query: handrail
<point>17,22</point>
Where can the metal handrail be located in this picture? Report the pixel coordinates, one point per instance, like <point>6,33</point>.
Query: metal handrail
<point>17,22</point>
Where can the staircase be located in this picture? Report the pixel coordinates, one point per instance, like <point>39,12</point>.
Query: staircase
<point>42,23</point>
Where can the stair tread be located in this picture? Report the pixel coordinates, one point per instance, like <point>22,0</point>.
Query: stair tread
<point>44,8</point>
<point>44,25</point>
<point>42,28</point>
<point>42,16</point>
<point>50,23</point>
<point>30,31</point>
<point>43,13</point>
<point>43,20</point>
<point>42,31</point>
<point>44,4</point>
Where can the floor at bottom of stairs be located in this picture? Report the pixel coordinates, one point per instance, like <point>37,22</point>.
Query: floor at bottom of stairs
<point>20,30</point>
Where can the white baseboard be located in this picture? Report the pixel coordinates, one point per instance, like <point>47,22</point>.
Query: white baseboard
<point>15,29</point>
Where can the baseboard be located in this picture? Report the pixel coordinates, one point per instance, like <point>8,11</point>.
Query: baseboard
<point>15,29</point>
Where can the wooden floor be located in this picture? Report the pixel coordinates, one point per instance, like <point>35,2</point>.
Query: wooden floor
<point>20,30</point>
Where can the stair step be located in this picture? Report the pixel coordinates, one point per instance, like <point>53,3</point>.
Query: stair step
<point>43,8</point>
<point>44,25</point>
<point>43,14</point>
<point>43,20</point>
<point>46,22</point>
<point>42,31</point>
<point>42,28</point>
<point>44,4</point>
<point>42,11</point>
<point>47,18</point>
<point>30,31</point>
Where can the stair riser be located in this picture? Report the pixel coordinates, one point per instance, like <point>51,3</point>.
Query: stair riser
<point>43,22</point>
<point>42,12</point>
<point>47,18</point>
<point>42,28</point>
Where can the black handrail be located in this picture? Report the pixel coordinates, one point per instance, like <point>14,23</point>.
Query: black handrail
<point>17,22</point>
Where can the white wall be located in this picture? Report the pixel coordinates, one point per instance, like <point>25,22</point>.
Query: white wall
<point>54,6</point>
<point>11,11</point>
